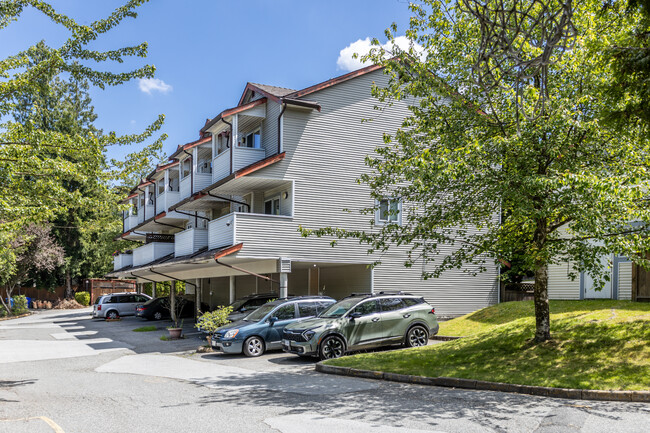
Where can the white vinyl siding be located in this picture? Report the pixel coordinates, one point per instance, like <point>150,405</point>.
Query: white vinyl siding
<point>560,286</point>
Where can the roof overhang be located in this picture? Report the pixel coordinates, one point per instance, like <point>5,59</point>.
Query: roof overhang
<point>250,109</point>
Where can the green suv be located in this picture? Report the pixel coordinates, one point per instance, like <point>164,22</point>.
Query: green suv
<point>362,322</point>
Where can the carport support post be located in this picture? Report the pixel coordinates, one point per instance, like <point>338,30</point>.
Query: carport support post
<point>153,289</point>
<point>232,289</point>
<point>283,284</point>
<point>172,302</point>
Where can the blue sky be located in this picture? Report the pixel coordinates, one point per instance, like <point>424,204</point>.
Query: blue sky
<point>205,52</point>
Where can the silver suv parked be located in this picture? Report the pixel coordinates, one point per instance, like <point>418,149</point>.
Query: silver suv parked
<point>117,304</point>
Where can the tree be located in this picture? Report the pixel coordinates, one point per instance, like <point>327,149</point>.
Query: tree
<point>504,152</point>
<point>52,159</point>
<point>629,56</point>
<point>33,249</point>
<point>37,162</point>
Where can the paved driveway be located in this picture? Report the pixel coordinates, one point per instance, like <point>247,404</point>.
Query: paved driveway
<point>63,372</point>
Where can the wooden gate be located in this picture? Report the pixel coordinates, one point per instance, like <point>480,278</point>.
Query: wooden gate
<point>640,283</point>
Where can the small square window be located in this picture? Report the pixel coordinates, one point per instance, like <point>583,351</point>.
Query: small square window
<point>388,211</point>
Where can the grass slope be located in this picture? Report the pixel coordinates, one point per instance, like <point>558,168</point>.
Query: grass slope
<point>596,345</point>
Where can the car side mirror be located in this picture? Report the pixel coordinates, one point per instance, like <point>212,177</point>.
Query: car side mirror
<point>272,320</point>
<point>354,315</point>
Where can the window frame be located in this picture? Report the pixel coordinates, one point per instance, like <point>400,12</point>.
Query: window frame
<point>389,201</point>
<point>272,199</point>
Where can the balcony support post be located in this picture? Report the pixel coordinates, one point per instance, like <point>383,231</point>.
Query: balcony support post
<point>232,289</point>
<point>283,284</point>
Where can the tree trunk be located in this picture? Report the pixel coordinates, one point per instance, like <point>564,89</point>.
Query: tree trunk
<point>172,303</point>
<point>542,311</point>
<point>68,285</point>
<point>6,305</point>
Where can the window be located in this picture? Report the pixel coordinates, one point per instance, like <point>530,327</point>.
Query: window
<point>222,143</point>
<point>391,304</point>
<point>161,186</point>
<point>272,206</point>
<point>173,184</point>
<point>412,301</point>
<point>204,166</point>
<point>286,312</point>
<point>388,211</point>
<point>307,309</point>
<point>252,140</point>
<point>186,167</point>
<point>140,298</point>
<point>366,308</point>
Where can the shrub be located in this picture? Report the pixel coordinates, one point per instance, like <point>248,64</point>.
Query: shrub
<point>3,312</point>
<point>83,298</point>
<point>211,321</point>
<point>20,304</point>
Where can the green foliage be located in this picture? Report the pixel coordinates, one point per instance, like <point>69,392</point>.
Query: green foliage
<point>213,320</point>
<point>52,158</point>
<point>3,312</point>
<point>145,329</point>
<point>20,304</point>
<point>83,298</point>
<point>597,345</point>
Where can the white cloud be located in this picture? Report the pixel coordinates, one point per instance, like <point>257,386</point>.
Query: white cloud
<point>362,47</point>
<point>148,85</point>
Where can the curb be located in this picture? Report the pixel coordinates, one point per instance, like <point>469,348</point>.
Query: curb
<point>15,317</point>
<point>444,338</point>
<point>454,382</point>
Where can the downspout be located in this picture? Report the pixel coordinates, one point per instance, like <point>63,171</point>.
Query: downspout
<point>229,146</point>
<point>247,272</point>
<point>230,200</point>
<point>284,107</point>
<point>191,172</point>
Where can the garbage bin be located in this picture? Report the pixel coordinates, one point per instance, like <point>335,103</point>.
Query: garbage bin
<point>29,302</point>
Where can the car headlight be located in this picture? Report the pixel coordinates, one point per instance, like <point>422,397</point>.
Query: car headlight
<point>231,333</point>
<point>308,334</point>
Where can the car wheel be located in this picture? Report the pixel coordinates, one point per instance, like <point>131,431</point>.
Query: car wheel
<point>331,347</point>
<point>253,346</point>
<point>112,315</point>
<point>417,336</point>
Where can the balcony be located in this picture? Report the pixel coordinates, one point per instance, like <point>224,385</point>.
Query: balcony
<point>152,251</point>
<point>130,222</point>
<point>201,180</point>
<point>165,200</point>
<point>221,232</point>
<point>122,260</point>
<point>244,156</point>
<point>144,214</point>
<point>190,241</point>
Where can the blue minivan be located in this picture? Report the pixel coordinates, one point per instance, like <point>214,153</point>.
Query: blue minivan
<point>262,329</point>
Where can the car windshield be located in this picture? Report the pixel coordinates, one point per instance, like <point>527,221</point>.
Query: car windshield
<point>237,304</point>
<point>339,309</point>
<point>259,314</point>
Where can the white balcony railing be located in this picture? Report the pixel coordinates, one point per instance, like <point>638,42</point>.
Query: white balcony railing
<point>150,252</point>
<point>244,156</point>
<point>165,200</point>
<point>186,187</point>
<point>221,166</point>
<point>145,214</point>
<point>190,241</point>
<point>130,222</point>
<point>221,232</point>
<point>202,180</point>
<point>122,261</point>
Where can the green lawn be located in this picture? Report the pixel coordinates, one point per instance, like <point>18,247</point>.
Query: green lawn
<point>596,345</point>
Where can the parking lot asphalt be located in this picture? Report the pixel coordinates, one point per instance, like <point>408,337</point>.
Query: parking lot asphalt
<point>64,372</point>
